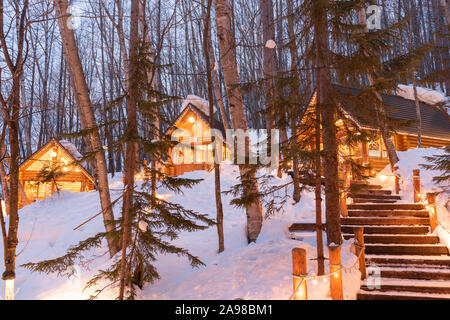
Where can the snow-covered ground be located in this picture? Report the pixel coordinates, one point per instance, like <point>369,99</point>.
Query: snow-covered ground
<point>410,160</point>
<point>261,270</point>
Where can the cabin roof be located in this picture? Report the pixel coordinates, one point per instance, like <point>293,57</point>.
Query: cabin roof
<point>203,116</point>
<point>70,150</point>
<point>434,123</point>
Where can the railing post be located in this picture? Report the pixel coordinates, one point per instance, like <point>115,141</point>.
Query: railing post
<point>298,272</point>
<point>336,288</point>
<point>416,182</point>
<point>431,197</point>
<point>397,180</point>
<point>359,241</point>
<point>345,188</point>
<point>343,200</point>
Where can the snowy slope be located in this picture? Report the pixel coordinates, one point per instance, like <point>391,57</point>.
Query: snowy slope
<point>258,271</point>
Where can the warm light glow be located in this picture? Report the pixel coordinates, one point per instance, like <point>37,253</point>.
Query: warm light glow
<point>336,275</point>
<point>191,119</point>
<point>382,177</point>
<point>325,279</point>
<point>53,154</point>
<point>315,281</point>
<point>77,170</point>
<point>65,169</point>
<point>339,122</point>
<point>9,289</point>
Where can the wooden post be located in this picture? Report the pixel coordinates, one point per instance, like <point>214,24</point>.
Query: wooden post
<point>397,181</point>
<point>343,198</point>
<point>336,288</point>
<point>416,182</point>
<point>431,197</point>
<point>299,270</point>
<point>359,241</point>
<point>346,187</point>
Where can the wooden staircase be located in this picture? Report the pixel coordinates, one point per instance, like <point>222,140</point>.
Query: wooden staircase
<point>413,265</point>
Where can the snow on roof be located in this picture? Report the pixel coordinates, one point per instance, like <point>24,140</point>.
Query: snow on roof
<point>200,103</point>
<point>424,94</point>
<point>71,149</point>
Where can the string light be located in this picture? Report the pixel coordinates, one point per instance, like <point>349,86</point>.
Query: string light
<point>326,276</point>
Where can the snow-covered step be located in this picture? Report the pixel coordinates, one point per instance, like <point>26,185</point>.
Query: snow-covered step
<point>399,295</point>
<point>405,260</point>
<point>374,196</point>
<point>420,273</point>
<point>392,229</point>
<point>365,186</point>
<point>365,200</point>
<point>388,213</point>
<point>421,286</point>
<point>409,249</point>
<point>415,221</point>
<point>386,206</point>
<point>397,238</point>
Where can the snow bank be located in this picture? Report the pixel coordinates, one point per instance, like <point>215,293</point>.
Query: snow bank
<point>261,270</point>
<point>424,94</point>
<point>410,160</point>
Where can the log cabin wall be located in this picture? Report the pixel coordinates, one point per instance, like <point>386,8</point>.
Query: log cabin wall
<point>194,123</point>
<point>53,155</point>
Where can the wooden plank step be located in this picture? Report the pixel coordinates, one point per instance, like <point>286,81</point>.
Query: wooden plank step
<point>365,186</point>
<point>395,295</point>
<point>358,200</point>
<point>385,221</point>
<point>402,249</point>
<point>373,196</point>
<point>393,229</point>
<point>388,213</point>
<point>381,206</point>
<point>432,261</point>
<point>396,238</point>
<point>418,274</point>
<point>378,192</point>
<point>409,288</point>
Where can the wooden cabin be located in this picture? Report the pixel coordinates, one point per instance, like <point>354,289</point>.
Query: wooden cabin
<point>192,127</point>
<point>372,153</point>
<point>61,156</point>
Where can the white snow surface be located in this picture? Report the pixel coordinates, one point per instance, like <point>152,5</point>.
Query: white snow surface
<point>261,270</point>
<point>70,147</point>
<point>424,94</point>
<point>200,103</point>
<point>410,160</point>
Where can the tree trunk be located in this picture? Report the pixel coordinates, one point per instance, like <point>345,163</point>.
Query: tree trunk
<point>379,108</point>
<point>227,48</point>
<point>294,91</point>
<point>328,114</point>
<point>215,141</point>
<point>131,147</point>
<point>81,90</point>
<point>266,8</point>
